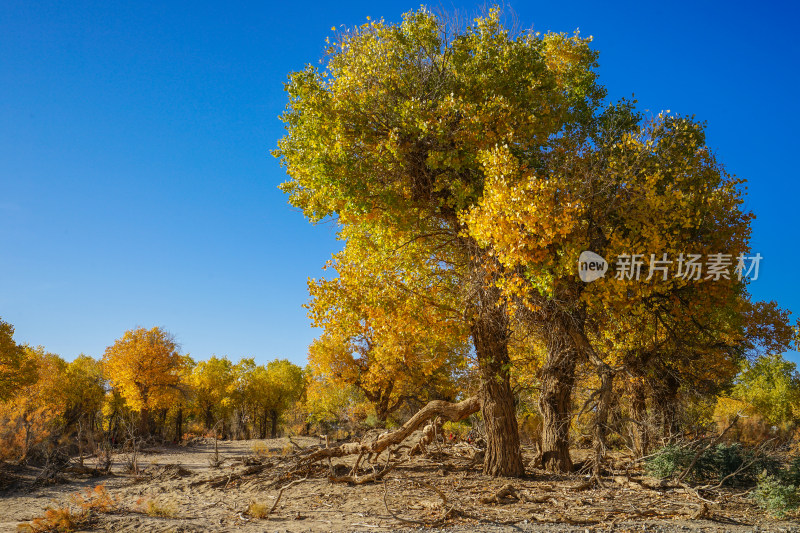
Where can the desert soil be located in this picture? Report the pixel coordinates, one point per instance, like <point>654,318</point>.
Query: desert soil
<point>443,491</point>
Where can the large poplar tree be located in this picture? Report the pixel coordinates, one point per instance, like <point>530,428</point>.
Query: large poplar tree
<point>389,133</point>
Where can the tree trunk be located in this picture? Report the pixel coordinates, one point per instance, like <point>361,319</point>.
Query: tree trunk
<point>144,422</point>
<point>262,426</point>
<point>603,396</point>
<point>503,455</point>
<point>641,438</point>
<point>273,416</point>
<point>600,424</point>
<point>179,425</point>
<point>555,400</point>
<point>666,403</point>
<point>382,405</point>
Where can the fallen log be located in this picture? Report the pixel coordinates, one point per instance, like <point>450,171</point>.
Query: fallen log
<point>449,411</point>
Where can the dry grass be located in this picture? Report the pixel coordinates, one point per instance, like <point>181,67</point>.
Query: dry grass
<point>260,449</point>
<point>160,509</point>
<point>258,510</point>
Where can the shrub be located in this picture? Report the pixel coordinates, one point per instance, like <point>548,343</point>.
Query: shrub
<point>58,519</point>
<point>775,496</point>
<point>713,465</point>
<point>459,430</point>
<point>96,500</point>
<point>668,461</point>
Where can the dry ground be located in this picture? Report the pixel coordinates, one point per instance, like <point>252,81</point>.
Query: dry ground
<point>441,490</point>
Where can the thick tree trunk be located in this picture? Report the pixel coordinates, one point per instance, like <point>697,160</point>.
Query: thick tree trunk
<point>262,426</point>
<point>555,400</point>
<point>603,396</point>
<point>503,455</point>
<point>382,405</point>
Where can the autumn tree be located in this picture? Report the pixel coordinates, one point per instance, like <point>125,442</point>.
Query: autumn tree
<point>389,134</point>
<point>35,412</point>
<point>390,327</point>
<point>15,370</point>
<point>270,391</point>
<point>212,384</point>
<point>145,366</point>
<point>770,385</point>
<point>648,195</point>
<point>84,388</point>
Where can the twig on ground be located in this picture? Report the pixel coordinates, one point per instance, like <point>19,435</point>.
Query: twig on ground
<point>280,493</point>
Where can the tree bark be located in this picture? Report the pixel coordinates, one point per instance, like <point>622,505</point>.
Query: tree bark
<point>262,426</point>
<point>503,456</point>
<point>555,399</point>
<point>145,425</point>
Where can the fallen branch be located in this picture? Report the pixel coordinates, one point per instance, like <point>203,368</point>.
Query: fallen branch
<point>450,411</point>
<point>274,505</point>
<point>356,480</point>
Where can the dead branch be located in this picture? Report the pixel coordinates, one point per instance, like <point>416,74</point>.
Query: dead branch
<point>449,411</point>
<point>744,466</point>
<point>393,514</point>
<point>295,482</point>
<point>356,480</point>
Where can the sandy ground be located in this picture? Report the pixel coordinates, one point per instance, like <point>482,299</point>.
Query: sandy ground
<point>180,484</point>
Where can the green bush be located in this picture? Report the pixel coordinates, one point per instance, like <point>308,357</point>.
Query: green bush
<point>713,465</point>
<point>775,496</point>
<point>791,474</point>
<point>668,461</point>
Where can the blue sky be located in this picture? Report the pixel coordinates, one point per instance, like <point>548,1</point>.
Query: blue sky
<point>136,185</point>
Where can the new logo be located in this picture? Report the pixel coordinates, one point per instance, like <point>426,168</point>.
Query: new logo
<point>591,266</point>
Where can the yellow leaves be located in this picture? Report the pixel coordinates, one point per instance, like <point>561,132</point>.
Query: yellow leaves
<point>31,415</point>
<point>145,366</point>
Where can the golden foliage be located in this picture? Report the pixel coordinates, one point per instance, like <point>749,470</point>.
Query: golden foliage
<point>146,368</point>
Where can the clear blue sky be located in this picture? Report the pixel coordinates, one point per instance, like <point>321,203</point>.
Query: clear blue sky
<point>136,185</point>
